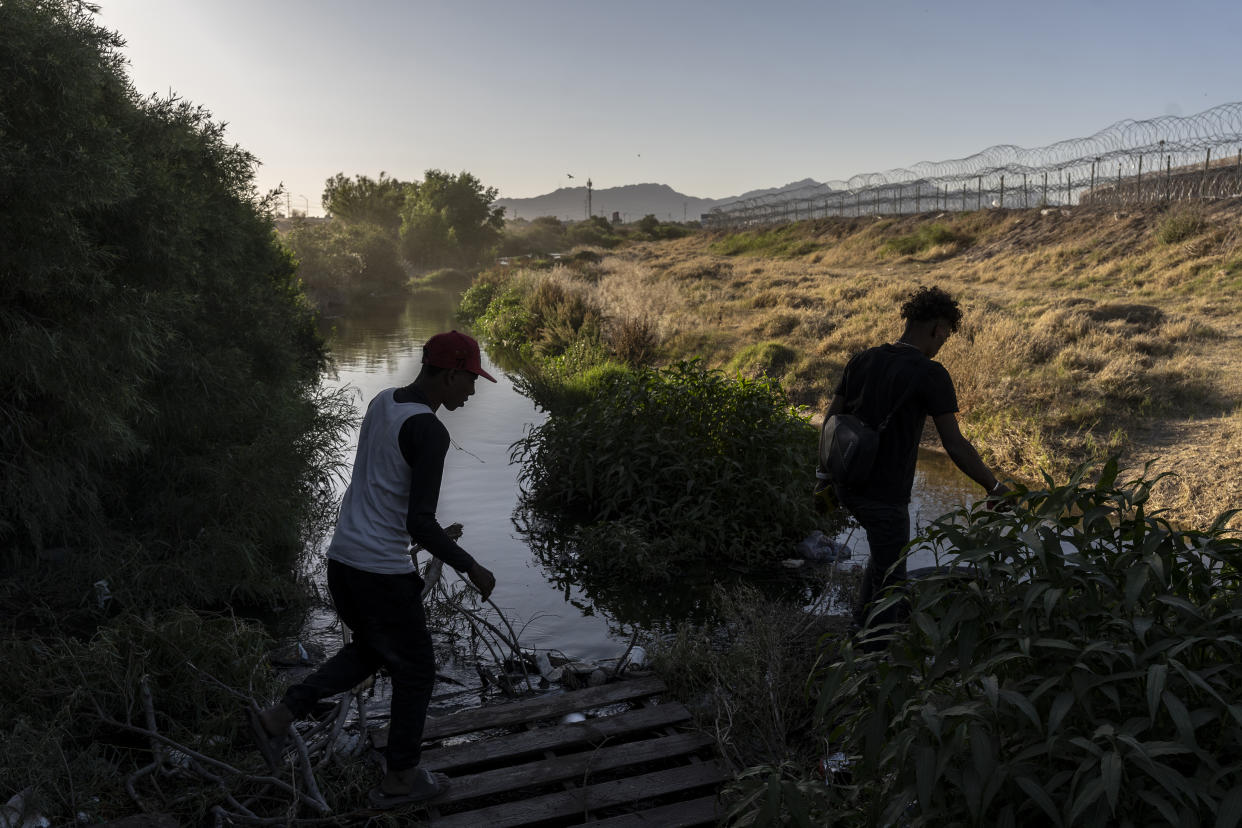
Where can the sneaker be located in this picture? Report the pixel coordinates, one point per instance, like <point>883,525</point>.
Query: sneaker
<point>411,785</point>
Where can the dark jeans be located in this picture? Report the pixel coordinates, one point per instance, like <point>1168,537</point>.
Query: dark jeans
<point>385,614</point>
<point>888,531</point>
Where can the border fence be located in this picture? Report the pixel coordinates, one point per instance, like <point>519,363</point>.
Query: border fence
<point>1131,162</point>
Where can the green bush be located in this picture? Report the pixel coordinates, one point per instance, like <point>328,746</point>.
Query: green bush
<point>159,384</point>
<point>164,426</point>
<point>771,359</point>
<point>1082,665</point>
<point>338,261</point>
<point>702,470</point>
<point>540,237</point>
<point>1181,225</point>
<point>595,232</point>
<point>925,238</point>
<point>786,241</point>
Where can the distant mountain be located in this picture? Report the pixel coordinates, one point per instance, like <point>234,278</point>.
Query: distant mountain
<point>631,202</point>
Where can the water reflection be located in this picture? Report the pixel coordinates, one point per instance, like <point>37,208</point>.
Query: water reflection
<point>657,606</point>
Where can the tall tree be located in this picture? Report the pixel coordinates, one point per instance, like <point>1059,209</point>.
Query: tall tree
<point>449,220</point>
<point>364,200</point>
<point>158,379</point>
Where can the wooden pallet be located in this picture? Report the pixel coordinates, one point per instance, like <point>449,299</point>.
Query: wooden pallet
<point>631,763</point>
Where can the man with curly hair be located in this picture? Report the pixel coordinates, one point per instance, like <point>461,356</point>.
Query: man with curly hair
<point>898,385</point>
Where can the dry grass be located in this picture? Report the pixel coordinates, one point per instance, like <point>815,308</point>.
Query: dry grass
<point>1085,332</point>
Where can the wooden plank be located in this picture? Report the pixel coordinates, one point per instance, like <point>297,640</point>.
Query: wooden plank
<point>575,766</point>
<point>562,737</point>
<point>705,810</point>
<point>583,800</point>
<point>543,707</point>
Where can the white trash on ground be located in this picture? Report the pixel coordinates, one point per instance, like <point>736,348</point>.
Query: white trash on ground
<point>819,547</point>
<point>15,813</point>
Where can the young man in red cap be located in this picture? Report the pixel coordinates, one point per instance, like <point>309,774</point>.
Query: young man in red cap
<point>377,591</point>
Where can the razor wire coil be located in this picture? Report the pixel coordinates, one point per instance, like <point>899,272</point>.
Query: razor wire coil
<point>1161,159</point>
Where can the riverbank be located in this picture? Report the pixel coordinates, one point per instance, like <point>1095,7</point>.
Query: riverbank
<point>1086,331</point>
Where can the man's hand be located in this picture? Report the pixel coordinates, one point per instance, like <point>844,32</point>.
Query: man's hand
<point>482,578</point>
<point>995,500</point>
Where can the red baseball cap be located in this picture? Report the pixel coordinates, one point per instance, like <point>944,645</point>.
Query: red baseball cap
<point>454,350</point>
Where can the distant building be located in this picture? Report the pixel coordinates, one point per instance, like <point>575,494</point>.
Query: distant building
<point>616,217</point>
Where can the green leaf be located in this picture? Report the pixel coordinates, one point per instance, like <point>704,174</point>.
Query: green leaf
<point>1087,796</point>
<point>990,689</point>
<point>1061,705</point>
<point>1020,701</point>
<point>1136,579</point>
<point>1160,804</point>
<point>1051,597</point>
<point>1229,814</point>
<point>925,774</point>
<point>1181,604</point>
<point>1156,677</point>
<point>1040,797</point>
<point>1169,779</point>
<point>1110,774</point>
<point>1180,716</point>
<point>1055,644</point>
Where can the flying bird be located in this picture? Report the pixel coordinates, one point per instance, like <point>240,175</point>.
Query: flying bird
<point>571,175</point>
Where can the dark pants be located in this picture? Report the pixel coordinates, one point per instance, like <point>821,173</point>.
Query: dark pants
<point>385,614</point>
<point>888,531</point>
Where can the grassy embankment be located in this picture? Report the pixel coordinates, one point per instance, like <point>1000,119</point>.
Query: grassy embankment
<point>1086,331</point>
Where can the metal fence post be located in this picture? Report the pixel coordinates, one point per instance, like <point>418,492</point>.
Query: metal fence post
<point>1045,189</point>
<point>1002,193</point>
<point>1203,175</point>
<point>1138,187</point>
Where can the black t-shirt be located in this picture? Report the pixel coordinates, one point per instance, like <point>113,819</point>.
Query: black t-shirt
<point>872,384</point>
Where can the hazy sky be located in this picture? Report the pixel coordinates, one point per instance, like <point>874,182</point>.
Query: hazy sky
<point>711,98</point>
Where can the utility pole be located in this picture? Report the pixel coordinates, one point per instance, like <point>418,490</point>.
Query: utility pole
<point>589,213</point>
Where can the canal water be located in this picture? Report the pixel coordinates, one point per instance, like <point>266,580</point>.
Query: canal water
<point>378,346</point>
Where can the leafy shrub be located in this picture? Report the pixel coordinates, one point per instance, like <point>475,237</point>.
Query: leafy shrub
<point>1181,225</point>
<point>339,261</point>
<point>763,358</point>
<point>707,470</point>
<point>569,379</point>
<point>1080,665</point>
<point>542,236</point>
<point>925,238</point>
<point>485,287</point>
<point>159,379</point>
<point>595,232</point>
<point>650,227</point>
<point>785,241</point>
<point>531,314</point>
